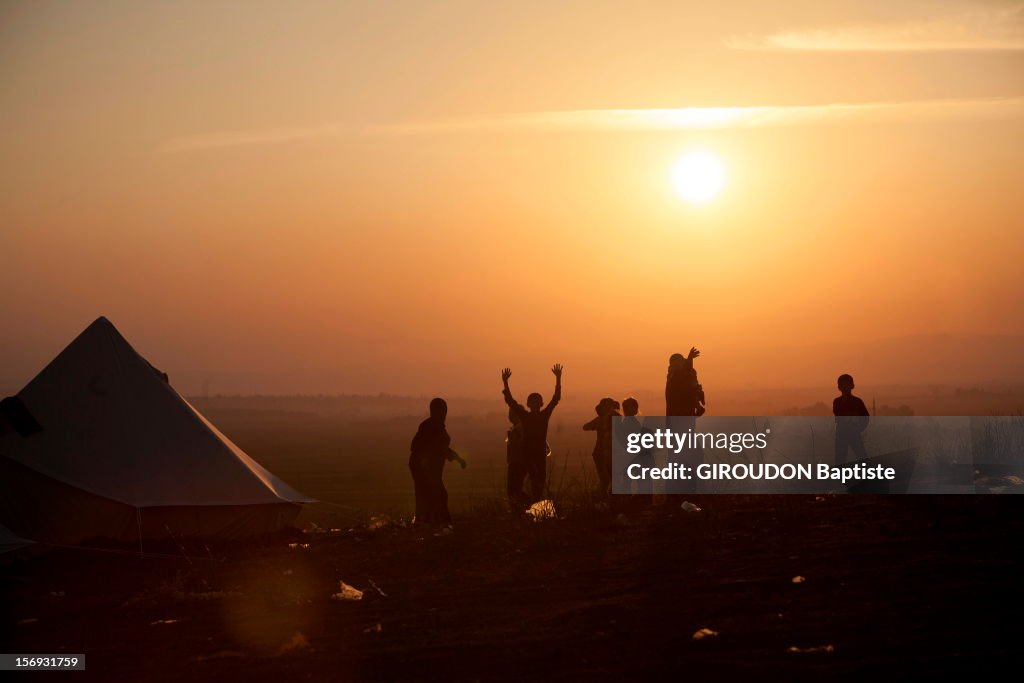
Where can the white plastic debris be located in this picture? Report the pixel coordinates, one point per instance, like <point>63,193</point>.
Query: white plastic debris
<point>299,546</point>
<point>798,579</point>
<point>378,522</point>
<point>542,509</point>
<point>820,649</point>
<point>704,634</point>
<point>163,621</point>
<point>687,506</point>
<point>347,593</point>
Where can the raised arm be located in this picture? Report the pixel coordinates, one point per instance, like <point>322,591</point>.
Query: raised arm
<point>507,393</point>
<point>592,425</point>
<point>556,370</point>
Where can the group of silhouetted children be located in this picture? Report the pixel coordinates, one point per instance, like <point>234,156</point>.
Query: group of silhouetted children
<point>527,447</point>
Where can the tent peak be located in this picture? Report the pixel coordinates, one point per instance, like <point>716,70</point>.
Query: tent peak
<point>104,321</point>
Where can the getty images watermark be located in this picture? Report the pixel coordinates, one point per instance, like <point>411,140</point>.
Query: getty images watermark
<point>817,455</point>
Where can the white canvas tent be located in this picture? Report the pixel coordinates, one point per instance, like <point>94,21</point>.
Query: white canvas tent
<point>122,455</point>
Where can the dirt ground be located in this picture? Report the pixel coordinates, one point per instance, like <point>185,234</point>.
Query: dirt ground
<point>902,587</point>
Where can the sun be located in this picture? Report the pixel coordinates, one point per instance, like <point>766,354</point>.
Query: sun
<point>698,176</point>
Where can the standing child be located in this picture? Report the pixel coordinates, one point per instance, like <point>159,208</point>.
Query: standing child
<point>606,409</point>
<point>535,429</point>
<point>852,419</point>
<point>684,395</point>
<point>430,449</point>
<point>632,424</point>
<point>684,403</point>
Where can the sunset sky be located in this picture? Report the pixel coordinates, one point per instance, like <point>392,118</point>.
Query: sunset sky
<point>408,196</point>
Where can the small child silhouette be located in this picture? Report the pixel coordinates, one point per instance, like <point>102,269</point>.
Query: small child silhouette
<point>852,419</point>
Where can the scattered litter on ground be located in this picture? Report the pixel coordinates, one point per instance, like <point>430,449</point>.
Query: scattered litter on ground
<point>1009,483</point>
<point>818,499</point>
<point>163,621</point>
<point>687,506</point>
<point>299,546</point>
<point>798,579</point>
<point>542,509</point>
<point>206,595</point>
<point>377,588</point>
<point>379,522</point>
<point>296,643</point>
<point>821,649</point>
<point>704,634</point>
<point>376,628</point>
<point>25,622</point>
<point>348,593</point>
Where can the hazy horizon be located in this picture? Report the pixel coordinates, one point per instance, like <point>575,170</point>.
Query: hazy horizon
<point>914,361</point>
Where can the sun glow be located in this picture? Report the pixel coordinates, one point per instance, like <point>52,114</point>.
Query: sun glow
<point>698,176</point>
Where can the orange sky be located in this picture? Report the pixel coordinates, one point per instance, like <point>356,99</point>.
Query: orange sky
<point>405,197</point>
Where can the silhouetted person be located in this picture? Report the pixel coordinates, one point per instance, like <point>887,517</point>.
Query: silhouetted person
<point>430,448</point>
<point>606,409</point>
<point>684,396</point>
<point>535,429</point>
<point>852,419</point>
<point>631,424</point>
<point>684,403</point>
<point>515,457</point>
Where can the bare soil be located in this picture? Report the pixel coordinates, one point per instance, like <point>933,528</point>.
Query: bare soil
<point>894,587</point>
